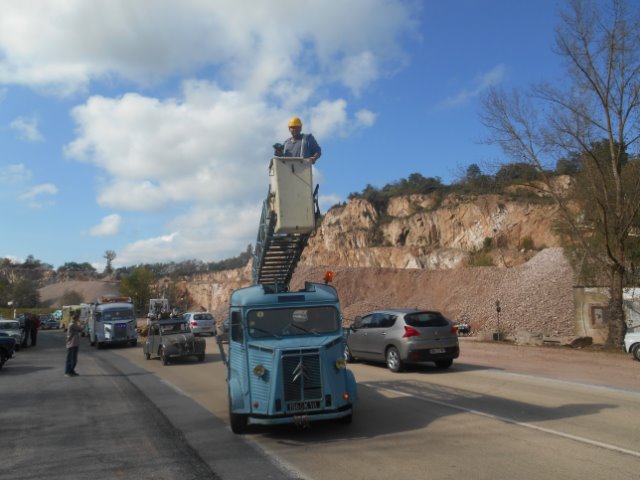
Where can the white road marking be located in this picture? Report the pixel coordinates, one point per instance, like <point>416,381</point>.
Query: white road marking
<point>174,387</point>
<point>510,421</point>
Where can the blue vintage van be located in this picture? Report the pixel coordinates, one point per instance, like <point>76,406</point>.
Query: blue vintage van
<point>286,357</point>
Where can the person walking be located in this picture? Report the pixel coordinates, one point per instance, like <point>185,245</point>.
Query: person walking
<point>301,144</point>
<point>73,344</point>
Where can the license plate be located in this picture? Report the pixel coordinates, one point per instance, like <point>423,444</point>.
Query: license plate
<point>437,350</point>
<point>302,406</point>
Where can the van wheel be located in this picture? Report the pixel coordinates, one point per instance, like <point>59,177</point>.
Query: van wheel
<point>393,360</point>
<point>346,420</point>
<point>237,421</point>
<point>636,352</point>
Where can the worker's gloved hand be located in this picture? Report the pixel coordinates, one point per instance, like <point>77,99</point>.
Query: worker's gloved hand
<point>278,149</point>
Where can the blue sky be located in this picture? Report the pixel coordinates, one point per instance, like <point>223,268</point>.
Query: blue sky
<point>146,127</point>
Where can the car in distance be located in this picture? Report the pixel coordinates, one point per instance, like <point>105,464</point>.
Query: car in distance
<point>222,331</point>
<point>401,336</point>
<point>47,322</point>
<point>632,344</point>
<point>12,329</point>
<point>200,323</point>
<point>170,339</point>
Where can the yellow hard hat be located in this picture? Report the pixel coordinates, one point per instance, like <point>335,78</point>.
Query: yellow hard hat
<point>295,122</point>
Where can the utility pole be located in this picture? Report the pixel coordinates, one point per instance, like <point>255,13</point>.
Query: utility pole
<point>499,336</point>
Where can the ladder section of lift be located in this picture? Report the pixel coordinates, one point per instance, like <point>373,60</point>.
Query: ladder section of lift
<point>276,255</point>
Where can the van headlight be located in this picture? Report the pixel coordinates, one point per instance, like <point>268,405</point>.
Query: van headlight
<point>259,371</point>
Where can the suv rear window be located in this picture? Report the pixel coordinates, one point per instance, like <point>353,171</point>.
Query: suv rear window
<point>426,319</point>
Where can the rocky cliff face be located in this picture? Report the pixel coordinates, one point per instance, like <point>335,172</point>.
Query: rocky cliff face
<point>415,232</point>
<point>417,253</point>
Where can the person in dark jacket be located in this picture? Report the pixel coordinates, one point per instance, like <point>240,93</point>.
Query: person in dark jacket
<point>73,343</point>
<point>35,325</point>
<point>27,330</point>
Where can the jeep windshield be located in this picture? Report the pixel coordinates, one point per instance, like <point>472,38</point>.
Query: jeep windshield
<point>291,322</point>
<point>171,328</point>
<point>9,325</point>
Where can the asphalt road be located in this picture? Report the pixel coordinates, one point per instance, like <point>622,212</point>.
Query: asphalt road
<point>115,420</point>
<point>499,413</point>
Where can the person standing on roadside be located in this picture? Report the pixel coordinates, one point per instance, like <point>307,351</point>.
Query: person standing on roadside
<point>27,330</point>
<point>73,344</point>
<point>35,325</point>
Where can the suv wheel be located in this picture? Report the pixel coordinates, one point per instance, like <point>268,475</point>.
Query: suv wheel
<point>393,359</point>
<point>347,355</point>
<point>444,363</point>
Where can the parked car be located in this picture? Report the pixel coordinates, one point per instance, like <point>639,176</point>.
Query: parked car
<point>200,323</point>
<point>7,347</point>
<point>47,322</point>
<point>12,329</point>
<point>170,339</point>
<point>399,336</point>
<point>632,344</point>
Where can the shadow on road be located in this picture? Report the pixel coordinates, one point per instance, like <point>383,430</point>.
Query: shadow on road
<point>422,405</point>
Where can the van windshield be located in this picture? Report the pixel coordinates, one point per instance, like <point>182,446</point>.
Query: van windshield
<point>290,322</point>
<point>112,314</point>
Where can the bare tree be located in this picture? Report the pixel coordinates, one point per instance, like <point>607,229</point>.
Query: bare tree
<point>593,114</point>
<point>110,256</point>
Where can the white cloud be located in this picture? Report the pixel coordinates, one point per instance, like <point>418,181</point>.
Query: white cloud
<point>27,128</point>
<point>14,174</point>
<point>62,45</point>
<point>31,197</point>
<point>109,226</point>
<point>480,84</point>
<point>204,151</point>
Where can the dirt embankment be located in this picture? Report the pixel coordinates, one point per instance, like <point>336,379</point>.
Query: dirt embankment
<point>536,297</point>
<point>52,295</point>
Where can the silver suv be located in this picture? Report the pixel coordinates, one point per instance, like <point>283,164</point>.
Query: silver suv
<point>400,336</point>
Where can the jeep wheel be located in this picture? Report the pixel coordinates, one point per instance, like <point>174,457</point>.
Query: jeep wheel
<point>636,352</point>
<point>164,357</point>
<point>393,360</point>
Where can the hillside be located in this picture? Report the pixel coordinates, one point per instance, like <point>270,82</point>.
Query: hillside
<point>418,253</point>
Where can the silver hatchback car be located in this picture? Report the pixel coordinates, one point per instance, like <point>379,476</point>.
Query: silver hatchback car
<point>399,336</point>
<point>200,323</point>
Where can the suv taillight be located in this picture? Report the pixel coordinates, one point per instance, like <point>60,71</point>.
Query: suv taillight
<point>410,332</point>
